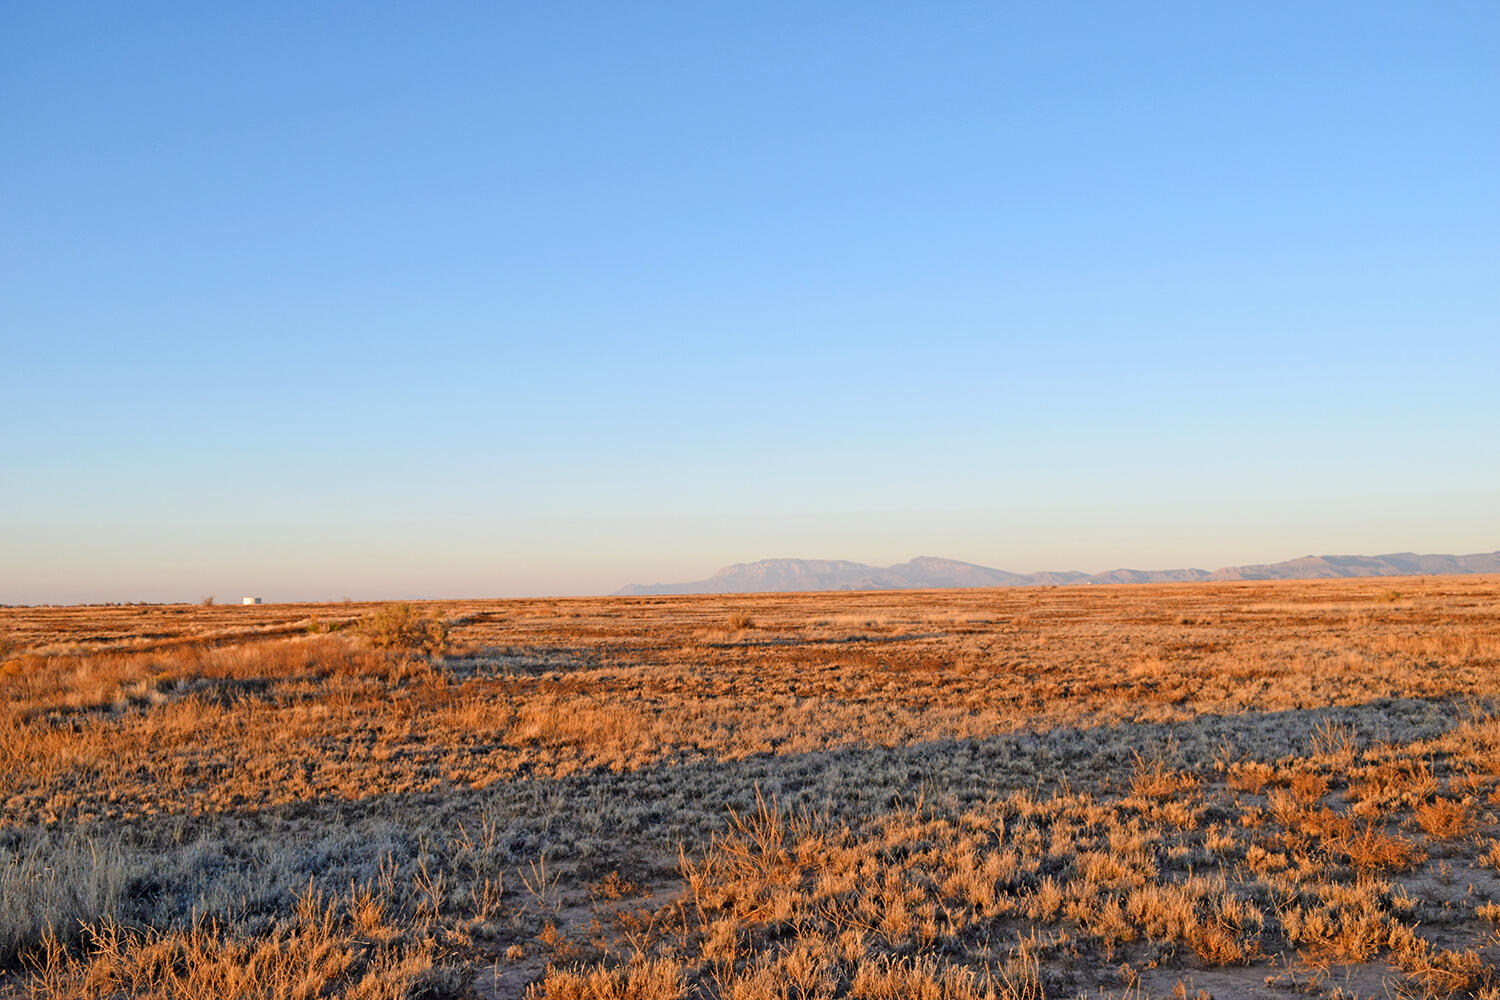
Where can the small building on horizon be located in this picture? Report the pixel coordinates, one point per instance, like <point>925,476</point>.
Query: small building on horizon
<point>251,600</point>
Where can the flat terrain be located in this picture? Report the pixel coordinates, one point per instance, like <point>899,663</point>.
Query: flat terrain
<point>1246,789</point>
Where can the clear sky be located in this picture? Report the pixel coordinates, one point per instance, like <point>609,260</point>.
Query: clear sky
<point>385,300</point>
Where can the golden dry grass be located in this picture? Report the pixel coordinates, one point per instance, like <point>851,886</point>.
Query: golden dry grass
<point>1132,791</point>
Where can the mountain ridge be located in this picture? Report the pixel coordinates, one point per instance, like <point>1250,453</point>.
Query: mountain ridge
<point>934,573</point>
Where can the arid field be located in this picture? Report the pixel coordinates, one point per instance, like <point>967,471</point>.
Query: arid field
<point>1276,790</point>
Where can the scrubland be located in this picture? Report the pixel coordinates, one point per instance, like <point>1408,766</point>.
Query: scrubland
<point>1281,789</point>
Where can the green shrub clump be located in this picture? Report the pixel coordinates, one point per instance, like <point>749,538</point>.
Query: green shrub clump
<point>403,628</point>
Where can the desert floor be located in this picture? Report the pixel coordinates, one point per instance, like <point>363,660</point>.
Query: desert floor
<point>1248,789</point>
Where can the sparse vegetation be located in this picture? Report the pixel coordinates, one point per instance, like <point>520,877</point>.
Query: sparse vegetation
<point>982,794</point>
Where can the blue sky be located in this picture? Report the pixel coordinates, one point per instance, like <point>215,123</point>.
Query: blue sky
<point>420,300</point>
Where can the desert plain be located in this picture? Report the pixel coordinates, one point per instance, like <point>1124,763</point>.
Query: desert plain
<point>1231,790</point>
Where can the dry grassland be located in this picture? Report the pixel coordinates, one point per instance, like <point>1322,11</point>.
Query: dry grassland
<point>1283,789</point>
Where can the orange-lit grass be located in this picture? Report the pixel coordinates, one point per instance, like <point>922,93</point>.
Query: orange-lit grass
<point>1036,786</point>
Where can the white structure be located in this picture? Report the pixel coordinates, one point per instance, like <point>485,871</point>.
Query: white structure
<point>251,600</point>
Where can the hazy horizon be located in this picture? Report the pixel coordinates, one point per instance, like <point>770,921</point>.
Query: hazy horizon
<point>288,569</point>
<point>312,303</point>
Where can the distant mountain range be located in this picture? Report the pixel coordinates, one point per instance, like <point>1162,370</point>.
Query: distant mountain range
<point>928,573</point>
